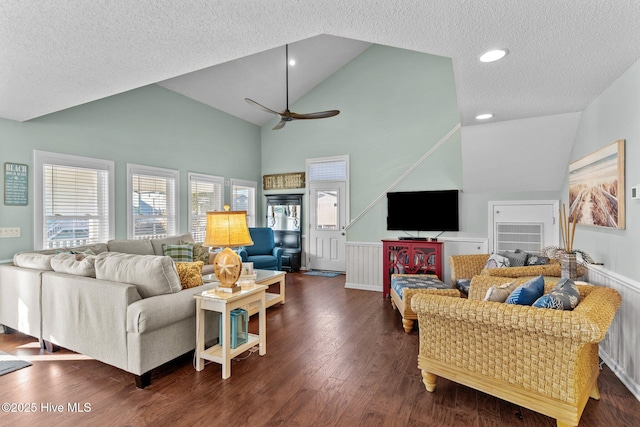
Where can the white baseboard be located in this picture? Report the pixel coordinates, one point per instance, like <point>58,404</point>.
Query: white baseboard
<point>631,385</point>
<point>363,287</point>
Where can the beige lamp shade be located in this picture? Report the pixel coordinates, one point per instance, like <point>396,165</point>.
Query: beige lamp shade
<point>226,229</point>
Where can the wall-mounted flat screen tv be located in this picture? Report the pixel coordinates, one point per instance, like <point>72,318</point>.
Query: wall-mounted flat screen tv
<point>435,210</point>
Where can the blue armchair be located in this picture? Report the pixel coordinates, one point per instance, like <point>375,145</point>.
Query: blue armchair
<point>264,254</point>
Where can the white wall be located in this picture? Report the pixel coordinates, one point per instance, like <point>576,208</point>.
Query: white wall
<point>614,115</point>
<point>518,155</point>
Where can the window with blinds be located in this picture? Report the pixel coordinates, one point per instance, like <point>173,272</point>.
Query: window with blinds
<point>153,204</point>
<point>331,170</point>
<point>243,198</point>
<point>206,194</point>
<point>73,201</point>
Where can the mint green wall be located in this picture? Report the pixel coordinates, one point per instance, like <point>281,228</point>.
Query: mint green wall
<point>149,126</point>
<point>394,106</point>
<point>614,115</point>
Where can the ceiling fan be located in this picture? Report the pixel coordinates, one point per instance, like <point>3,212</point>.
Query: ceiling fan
<point>286,115</point>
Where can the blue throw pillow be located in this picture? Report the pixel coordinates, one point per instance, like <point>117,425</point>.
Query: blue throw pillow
<point>527,293</point>
<point>563,296</point>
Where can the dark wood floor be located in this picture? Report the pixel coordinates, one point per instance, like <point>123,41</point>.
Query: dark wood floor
<point>335,356</point>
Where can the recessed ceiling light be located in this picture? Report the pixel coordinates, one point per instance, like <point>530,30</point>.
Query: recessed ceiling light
<point>292,62</point>
<point>484,116</point>
<point>493,55</point>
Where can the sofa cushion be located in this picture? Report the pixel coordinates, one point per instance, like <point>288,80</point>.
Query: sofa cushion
<point>152,275</point>
<point>171,240</point>
<point>500,293</point>
<point>178,253</point>
<point>563,296</point>
<point>497,261</point>
<point>154,313</point>
<point>400,282</point>
<point>263,262</point>
<point>517,258</point>
<point>528,292</point>
<point>190,274</point>
<point>125,246</point>
<point>76,264</point>
<point>33,260</point>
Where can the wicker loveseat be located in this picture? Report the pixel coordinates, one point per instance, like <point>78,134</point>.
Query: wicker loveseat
<point>542,359</point>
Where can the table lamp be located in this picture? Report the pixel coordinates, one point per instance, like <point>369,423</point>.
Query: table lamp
<point>224,229</point>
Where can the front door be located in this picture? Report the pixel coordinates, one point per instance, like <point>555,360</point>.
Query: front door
<point>327,217</point>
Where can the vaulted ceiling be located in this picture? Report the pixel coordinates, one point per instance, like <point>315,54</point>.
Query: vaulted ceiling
<point>59,54</point>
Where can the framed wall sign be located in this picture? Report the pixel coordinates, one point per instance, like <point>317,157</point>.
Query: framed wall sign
<point>16,184</point>
<point>596,187</point>
<point>283,181</point>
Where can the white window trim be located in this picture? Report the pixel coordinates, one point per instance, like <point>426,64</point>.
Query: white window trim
<point>133,169</point>
<point>213,179</point>
<point>44,157</point>
<point>254,202</point>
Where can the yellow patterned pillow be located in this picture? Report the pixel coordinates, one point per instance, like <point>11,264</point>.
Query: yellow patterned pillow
<point>190,274</point>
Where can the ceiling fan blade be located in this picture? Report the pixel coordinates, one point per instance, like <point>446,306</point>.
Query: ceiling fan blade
<point>318,115</point>
<point>262,107</point>
<point>280,124</point>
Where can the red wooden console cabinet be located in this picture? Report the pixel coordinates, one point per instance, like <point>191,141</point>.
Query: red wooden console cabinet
<point>409,257</point>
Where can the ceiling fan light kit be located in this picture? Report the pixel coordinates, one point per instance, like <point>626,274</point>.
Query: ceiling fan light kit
<point>286,115</point>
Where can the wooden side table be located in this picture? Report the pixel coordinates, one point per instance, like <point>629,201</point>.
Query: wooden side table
<point>223,303</point>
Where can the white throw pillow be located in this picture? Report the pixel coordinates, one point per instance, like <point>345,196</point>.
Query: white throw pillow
<point>500,293</point>
<point>497,261</point>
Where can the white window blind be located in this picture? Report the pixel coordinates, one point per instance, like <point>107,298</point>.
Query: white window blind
<point>206,194</point>
<point>243,198</point>
<point>153,207</point>
<point>72,203</point>
<point>328,171</point>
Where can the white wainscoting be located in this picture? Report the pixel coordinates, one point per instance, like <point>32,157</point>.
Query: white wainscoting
<point>620,348</point>
<point>364,266</point>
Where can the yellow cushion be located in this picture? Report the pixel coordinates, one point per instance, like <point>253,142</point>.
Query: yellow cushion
<point>190,274</point>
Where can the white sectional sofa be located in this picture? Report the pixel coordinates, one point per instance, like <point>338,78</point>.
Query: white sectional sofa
<point>132,314</point>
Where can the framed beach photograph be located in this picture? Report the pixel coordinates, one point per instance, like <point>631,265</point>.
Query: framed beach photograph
<point>596,187</point>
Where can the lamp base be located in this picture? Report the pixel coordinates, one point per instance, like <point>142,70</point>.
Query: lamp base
<point>227,267</point>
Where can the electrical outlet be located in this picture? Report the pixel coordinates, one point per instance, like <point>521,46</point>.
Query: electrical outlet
<point>6,232</point>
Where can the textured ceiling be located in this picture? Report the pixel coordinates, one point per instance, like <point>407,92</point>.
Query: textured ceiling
<point>59,54</point>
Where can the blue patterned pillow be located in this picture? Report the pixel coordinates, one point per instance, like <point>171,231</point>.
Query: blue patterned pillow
<point>563,296</point>
<point>527,293</point>
<point>179,253</point>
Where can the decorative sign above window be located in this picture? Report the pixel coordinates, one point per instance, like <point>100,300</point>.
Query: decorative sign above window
<point>283,181</point>
<point>16,188</point>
